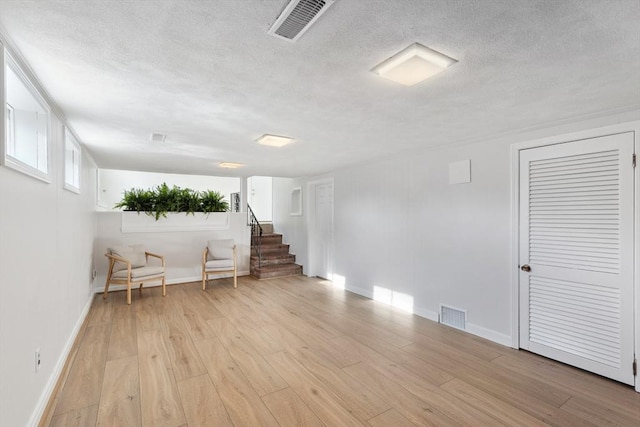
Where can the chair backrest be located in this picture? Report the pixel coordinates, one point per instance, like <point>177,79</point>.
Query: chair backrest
<point>220,249</point>
<point>135,254</point>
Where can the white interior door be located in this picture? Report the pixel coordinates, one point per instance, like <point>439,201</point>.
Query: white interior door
<point>576,254</point>
<point>323,230</point>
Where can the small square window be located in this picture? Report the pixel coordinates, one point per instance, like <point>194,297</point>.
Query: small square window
<point>25,146</point>
<point>72,157</point>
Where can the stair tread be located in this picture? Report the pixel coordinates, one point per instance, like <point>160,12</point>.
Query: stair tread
<point>272,248</point>
<point>275,267</point>
<point>273,271</point>
<point>274,255</point>
<point>268,239</point>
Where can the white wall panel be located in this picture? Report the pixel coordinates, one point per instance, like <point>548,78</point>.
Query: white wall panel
<point>399,226</point>
<point>293,228</point>
<point>46,256</point>
<point>182,249</point>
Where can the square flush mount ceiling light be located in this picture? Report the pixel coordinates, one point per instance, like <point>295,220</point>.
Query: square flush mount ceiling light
<point>230,165</point>
<point>274,140</point>
<point>413,64</point>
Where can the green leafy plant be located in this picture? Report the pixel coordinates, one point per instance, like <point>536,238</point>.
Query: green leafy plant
<point>213,201</point>
<point>162,199</point>
<point>188,201</point>
<point>138,200</point>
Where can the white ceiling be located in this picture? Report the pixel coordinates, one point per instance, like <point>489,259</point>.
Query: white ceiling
<point>207,74</point>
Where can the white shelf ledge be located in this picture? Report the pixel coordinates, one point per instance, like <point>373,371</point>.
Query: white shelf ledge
<point>134,222</point>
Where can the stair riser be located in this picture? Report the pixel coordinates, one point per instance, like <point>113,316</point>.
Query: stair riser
<point>279,273</point>
<point>271,250</point>
<point>269,240</point>
<point>285,259</point>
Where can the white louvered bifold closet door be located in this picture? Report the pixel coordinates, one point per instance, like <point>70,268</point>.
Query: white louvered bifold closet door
<point>576,236</point>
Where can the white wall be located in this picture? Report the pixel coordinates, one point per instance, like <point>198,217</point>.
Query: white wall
<point>260,197</point>
<point>182,250</point>
<point>46,256</point>
<point>294,229</point>
<point>400,226</point>
<point>114,182</point>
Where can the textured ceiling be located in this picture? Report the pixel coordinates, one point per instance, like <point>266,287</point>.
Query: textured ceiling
<point>207,74</point>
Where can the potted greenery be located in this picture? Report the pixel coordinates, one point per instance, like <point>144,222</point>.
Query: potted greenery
<point>204,206</point>
<point>161,200</point>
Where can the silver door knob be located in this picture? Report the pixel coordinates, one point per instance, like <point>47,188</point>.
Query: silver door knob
<point>526,268</point>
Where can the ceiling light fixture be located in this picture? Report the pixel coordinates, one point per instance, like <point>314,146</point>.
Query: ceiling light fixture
<point>413,65</point>
<point>158,137</point>
<point>230,165</point>
<point>274,140</point>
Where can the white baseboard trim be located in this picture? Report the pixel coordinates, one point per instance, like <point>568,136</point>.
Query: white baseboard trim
<point>55,376</point>
<point>168,282</point>
<point>489,334</point>
<point>427,314</point>
<point>482,332</point>
<point>360,291</point>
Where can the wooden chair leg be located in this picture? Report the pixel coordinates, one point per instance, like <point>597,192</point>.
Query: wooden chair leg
<point>140,288</point>
<point>235,278</point>
<point>129,293</point>
<point>164,287</point>
<point>106,289</point>
<point>204,281</point>
<point>106,285</point>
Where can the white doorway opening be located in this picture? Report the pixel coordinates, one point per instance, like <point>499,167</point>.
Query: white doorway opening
<point>320,246</point>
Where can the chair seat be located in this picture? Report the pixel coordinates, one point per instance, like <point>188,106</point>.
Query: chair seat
<point>219,264</point>
<point>137,273</point>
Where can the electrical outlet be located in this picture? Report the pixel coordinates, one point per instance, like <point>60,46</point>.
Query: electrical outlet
<point>37,360</point>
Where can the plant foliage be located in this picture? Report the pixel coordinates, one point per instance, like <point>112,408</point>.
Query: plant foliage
<point>157,202</point>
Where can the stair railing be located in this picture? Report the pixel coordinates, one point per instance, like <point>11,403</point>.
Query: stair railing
<point>256,233</point>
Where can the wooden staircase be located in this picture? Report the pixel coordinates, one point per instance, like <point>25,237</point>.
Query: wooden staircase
<point>276,259</point>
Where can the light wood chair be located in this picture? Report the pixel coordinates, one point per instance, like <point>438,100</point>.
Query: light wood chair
<point>219,257</point>
<point>129,265</point>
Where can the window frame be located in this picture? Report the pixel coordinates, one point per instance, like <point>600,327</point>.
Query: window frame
<point>70,138</point>
<point>10,127</point>
<point>7,60</point>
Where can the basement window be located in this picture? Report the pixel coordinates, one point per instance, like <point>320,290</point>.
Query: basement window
<point>72,157</point>
<point>26,128</point>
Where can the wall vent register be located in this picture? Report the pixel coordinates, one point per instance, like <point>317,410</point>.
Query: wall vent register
<point>453,317</point>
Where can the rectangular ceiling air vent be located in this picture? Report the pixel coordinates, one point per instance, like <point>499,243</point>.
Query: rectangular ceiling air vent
<point>158,137</point>
<point>454,317</point>
<point>297,17</point>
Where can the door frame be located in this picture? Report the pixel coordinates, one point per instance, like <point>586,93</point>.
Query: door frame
<point>311,209</point>
<point>515,219</point>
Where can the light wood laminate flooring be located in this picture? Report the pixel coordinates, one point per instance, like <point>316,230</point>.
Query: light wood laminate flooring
<point>298,352</point>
